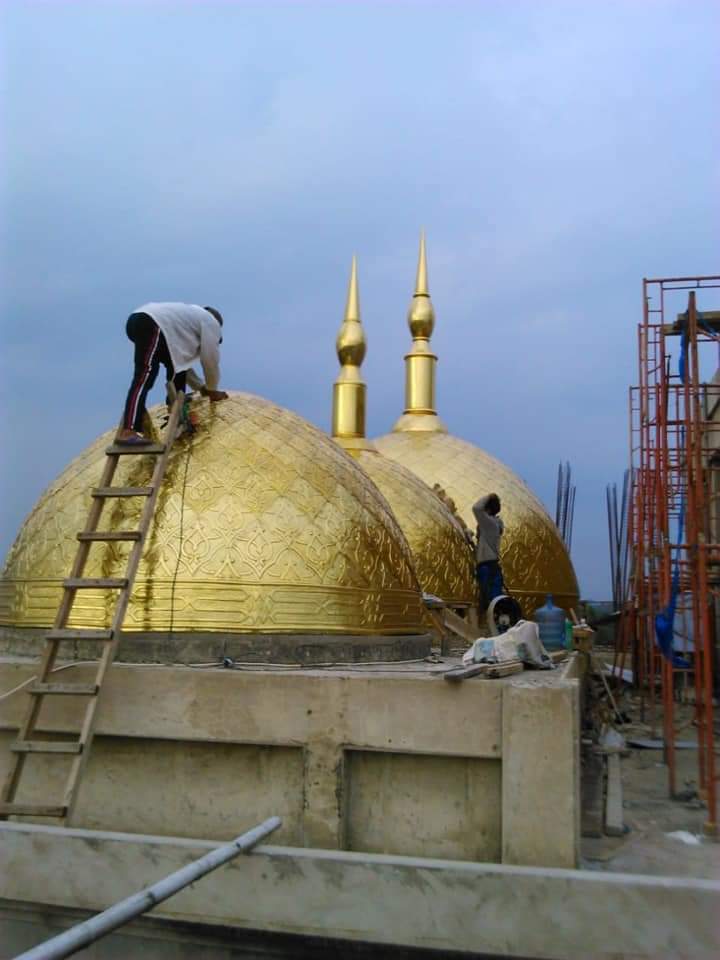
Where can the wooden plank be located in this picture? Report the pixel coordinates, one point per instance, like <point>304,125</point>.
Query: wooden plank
<point>46,746</point>
<point>79,634</point>
<point>31,810</point>
<point>121,492</point>
<point>136,450</point>
<point>490,671</point>
<point>459,626</point>
<point>433,603</point>
<point>109,535</point>
<point>464,673</point>
<point>64,689</point>
<point>95,583</point>
<point>614,825</point>
<point>504,669</point>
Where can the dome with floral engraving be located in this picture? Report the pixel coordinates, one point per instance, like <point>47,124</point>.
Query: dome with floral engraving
<point>263,525</point>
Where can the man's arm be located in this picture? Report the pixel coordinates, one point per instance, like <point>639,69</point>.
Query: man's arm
<point>210,353</point>
<point>194,381</point>
<point>479,508</point>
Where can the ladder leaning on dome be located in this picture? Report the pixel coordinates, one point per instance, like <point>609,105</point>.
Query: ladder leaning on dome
<point>79,747</point>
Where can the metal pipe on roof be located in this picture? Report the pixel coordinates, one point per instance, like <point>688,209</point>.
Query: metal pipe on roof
<point>74,939</point>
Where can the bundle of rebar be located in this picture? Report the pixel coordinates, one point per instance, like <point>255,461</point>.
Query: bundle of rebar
<point>565,504</point>
<point>617,517</point>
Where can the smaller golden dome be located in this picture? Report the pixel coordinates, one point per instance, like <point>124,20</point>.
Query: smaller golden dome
<point>441,554</point>
<point>442,557</point>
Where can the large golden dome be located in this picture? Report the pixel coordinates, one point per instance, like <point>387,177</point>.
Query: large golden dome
<point>263,525</point>
<point>441,554</point>
<point>533,557</point>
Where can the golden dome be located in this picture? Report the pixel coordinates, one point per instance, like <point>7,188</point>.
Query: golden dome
<point>441,555</point>
<point>533,557</point>
<point>263,525</point>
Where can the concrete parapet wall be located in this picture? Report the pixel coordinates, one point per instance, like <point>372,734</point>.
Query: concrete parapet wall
<point>446,905</point>
<point>388,762</point>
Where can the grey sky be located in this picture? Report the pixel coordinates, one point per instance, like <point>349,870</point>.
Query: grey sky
<point>239,153</point>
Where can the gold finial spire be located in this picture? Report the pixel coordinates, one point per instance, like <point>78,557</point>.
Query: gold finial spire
<point>349,390</point>
<point>420,363</point>
<point>421,283</point>
<point>352,307</point>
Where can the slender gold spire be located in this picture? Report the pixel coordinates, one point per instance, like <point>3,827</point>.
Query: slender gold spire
<point>349,390</point>
<point>420,363</point>
<point>421,283</point>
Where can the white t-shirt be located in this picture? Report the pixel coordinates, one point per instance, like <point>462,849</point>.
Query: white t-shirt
<point>192,334</point>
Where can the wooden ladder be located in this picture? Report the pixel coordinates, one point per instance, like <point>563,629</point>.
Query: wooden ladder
<point>44,686</point>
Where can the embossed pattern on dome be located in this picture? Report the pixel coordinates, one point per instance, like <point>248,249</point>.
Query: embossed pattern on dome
<point>534,558</point>
<point>280,531</point>
<point>441,555</point>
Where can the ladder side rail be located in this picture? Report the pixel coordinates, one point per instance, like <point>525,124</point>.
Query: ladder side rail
<point>50,651</point>
<point>108,654</point>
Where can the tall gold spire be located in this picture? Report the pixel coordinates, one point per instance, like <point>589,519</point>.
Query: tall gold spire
<point>421,282</point>
<point>349,390</point>
<point>420,363</point>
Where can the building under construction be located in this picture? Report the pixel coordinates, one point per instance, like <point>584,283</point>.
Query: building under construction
<point>668,631</point>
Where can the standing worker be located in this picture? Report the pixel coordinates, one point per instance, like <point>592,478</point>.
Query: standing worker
<point>176,335</point>
<point>489,532</point>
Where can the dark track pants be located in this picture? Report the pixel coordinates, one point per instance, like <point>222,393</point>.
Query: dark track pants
<point>490,580</point>
<point>151,350</point>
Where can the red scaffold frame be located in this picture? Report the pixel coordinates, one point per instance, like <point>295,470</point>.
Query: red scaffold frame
<point>674,517</point>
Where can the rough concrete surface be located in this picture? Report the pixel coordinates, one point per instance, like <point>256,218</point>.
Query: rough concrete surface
<point>445,905</point>
<point>651,816</point>
<point>541,773</point>
<point>391,760</point>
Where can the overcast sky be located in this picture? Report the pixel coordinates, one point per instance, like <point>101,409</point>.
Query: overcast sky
<point>238,154</point>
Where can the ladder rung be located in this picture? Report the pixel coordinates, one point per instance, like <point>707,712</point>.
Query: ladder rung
<point>75,634</point>
<point>46,746</point>
<point>30,810</point>
<point>122,491</point>
<point>109,535</point>
<point>95,583</point>
<point>69,689</point>
<point>135,450</point>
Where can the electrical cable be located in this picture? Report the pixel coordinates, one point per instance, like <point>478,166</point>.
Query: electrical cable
<point>25,683</point>
<point>181,532</point>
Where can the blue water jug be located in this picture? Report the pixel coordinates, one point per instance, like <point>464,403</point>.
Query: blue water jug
<point>551,624</point>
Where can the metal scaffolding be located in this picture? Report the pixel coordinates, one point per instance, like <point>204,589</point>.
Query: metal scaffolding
<point>668,625</point>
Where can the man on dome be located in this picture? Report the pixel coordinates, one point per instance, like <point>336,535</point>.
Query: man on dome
<point>176,335</point>
<point>487,554</point>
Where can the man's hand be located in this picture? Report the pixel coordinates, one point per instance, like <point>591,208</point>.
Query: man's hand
<point>215,395</point>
